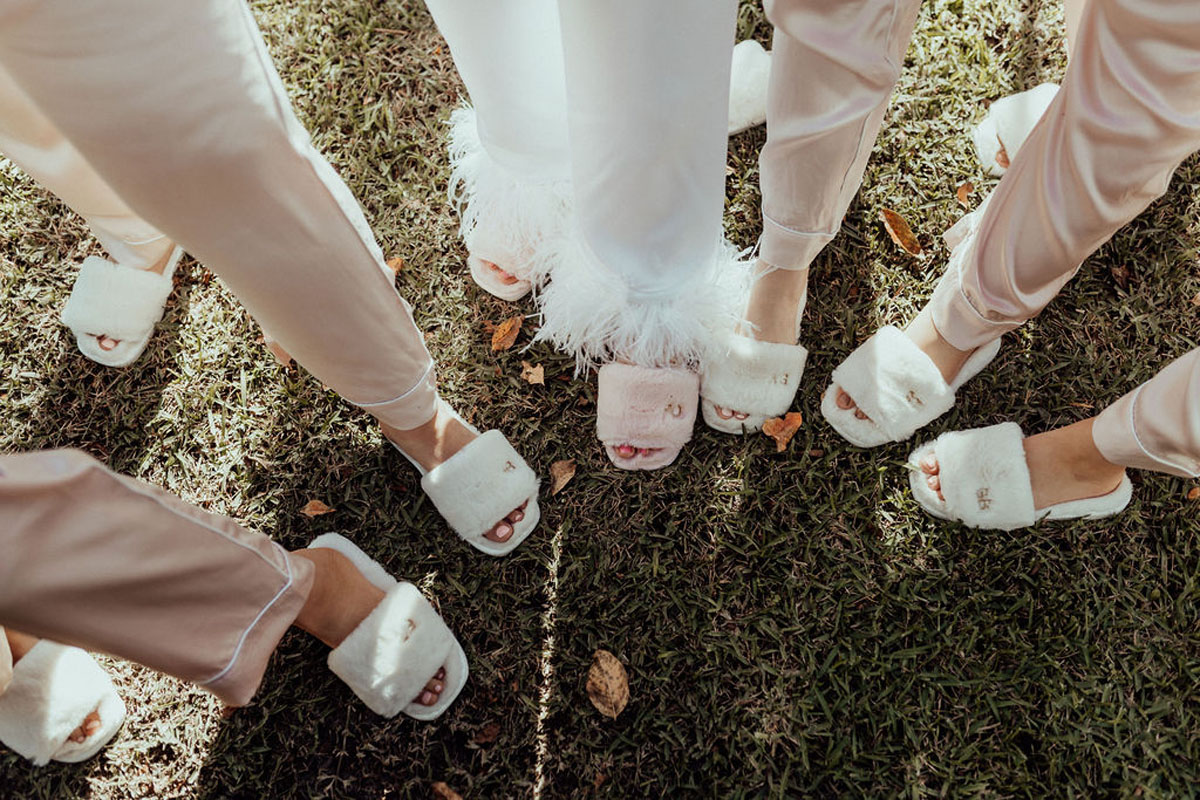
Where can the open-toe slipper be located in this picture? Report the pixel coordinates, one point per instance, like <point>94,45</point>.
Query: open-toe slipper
<point>1008,123</point>
<point>54,687</point>
<point>748,78</point>
<point>479,486</point>
<point>985,481</point>
<point>119,302</point>
<point>648,408</point>
<point>754,377</point>
<point>493,284</point>
<point>896,385</point>
<point>398,648</point>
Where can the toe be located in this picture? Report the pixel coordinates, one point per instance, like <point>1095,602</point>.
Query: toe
<point>427,698</point>
<point>505,277</point>
<point>741,415</point>
<point>858,413</point>
<point>516,516</point>
<point>107,343</point>
<point>929,464</point>
<point>844,401</point>
<point>501,533</point>
<point>647,451</point>
<point>723,413</point>
<point>625,451</point>
<point>1002,157</point>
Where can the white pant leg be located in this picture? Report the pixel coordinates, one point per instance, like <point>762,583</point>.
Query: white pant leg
<point>509,150</point>
<point>647,108</point>
<point>177,106</point>
<point>32,142</point>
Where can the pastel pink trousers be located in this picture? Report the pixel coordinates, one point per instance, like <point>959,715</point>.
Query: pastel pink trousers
<point>1127,114</point>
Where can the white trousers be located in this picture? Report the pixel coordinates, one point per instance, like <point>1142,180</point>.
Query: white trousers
<point>628,98</point>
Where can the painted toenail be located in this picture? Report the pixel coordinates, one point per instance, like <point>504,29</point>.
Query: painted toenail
<point>626,451</point>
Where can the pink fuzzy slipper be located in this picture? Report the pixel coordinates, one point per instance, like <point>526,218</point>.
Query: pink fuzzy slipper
<point>646,409</point>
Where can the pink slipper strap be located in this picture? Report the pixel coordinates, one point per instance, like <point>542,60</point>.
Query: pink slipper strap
<point>646,407</point>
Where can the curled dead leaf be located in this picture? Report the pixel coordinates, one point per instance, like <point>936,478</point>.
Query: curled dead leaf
<point>533,374</point>
<point>1196,299</point>
<point>900,232</point>
<point>608,684</point>
<point>561,473</point>
<point>443,792</point>
<point>782,429</point>
<point>1194,493</point>
<point>489,734</point>
<point>964,191</point>
<point>505,334</point>
<point>395,264</point>
<point>315,508</point>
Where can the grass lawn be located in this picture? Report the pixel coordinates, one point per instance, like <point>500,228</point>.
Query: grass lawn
<point>793,624</point>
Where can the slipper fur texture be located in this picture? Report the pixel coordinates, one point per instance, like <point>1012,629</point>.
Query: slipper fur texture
<point>397,649</point>
<point>754,377</point>
<point>53,689</point>
<point>645,407</point>
<point>749,75</point>
<point>985,481</point>
<point>1009,122</point>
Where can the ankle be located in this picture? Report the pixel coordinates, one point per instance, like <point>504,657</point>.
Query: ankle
<point>340,597</point>
<point>19,643</point>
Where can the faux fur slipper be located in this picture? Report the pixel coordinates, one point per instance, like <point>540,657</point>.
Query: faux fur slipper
<point>1008,123</point>
<point>54,687</point>
<point>757,378</point>
<point>480,485</point>
<point>645,408</point>
<point>398,648</point>
<point>119,302</point>
<point>748,78</point>
<point>985,481</point>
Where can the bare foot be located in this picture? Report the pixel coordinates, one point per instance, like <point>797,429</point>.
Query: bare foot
<point>21,643</point>
<point>777,296</point>
<point>1064,465</point>
<point>435,442</point>
<point>948,358</point>
<point>107,343</point>
<point>340,599</point>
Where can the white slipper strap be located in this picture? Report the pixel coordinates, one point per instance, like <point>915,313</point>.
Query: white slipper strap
<point>480,485</point>
<point>394,652</point>
<point>1017,115</point>
<point>894,383</point>
<point>54,687</point>
<point>754,377</point>
<point>646,407</point>
<point>748,78</point>
<point>116,301</point>
<point>984,477</point>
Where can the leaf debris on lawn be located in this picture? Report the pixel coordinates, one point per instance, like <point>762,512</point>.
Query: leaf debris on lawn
<point>561,473</point>
<point>608,684</point>
<point>782,429</point>
<point>505,334</point>
<point>315,508</point>
<point>900,231</point>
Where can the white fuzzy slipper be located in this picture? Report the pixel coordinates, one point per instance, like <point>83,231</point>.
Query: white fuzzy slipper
<point>119,302</point>
<point>645,408</point>
<point>53,689</point>
<point>985,481</point>
<point>480,485</point>
<point>398,648</point>
<point>757,378</point>
<point>896,385</point>
<point>1008,123</point>
<point>748,79</point>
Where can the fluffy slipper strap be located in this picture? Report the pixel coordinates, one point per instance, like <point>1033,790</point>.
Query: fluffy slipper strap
<point>53,689</point>
<point>116,301</point>
<point>755,377</point>
<point>748,78</point>
<point>392,654</point>
<point>646,407</point>
<point>1009,122</point>
<point>480,485</point>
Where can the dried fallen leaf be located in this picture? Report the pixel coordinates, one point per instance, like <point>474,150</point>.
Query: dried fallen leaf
<point>395,264</point>
<point>1121,274</point>
<point>315,508</point>
<point>489,734</point>
<point>963,193</point>
<point>532,374</point>
<point>901,234</point>
<point>1194,493</point>
<point>444,792</point>
<point>505,334</point>
<point>561,473</point>
<point>782,429</point>
<point>607,684</point>
<point>1196,299</point>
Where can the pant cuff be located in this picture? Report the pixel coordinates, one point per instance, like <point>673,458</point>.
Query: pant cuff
<point>784,248</point>
<point>237,684</point>
<point>957,319</point>
<point>413,408</point>
<point>1116,437</point>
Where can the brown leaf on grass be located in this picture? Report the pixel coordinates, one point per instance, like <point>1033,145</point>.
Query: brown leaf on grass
<point>1196,299</point>
<point>1194,493</point>
<point>1121,274</point>
<point>607,684</point>
<point>489,734</point>
<point>443,792</point>
<point>533,374</point>
<point>505,334</point>
<point>315,508</point>
<point>395,264</point>
<point>963,193</point>
<point>782,429</point>
<point>901,234</point>
<point>561,473</point>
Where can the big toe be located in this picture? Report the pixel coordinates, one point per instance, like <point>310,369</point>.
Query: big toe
<point>501,533</point>
<point>846,402</point>
<point>107,343</point>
